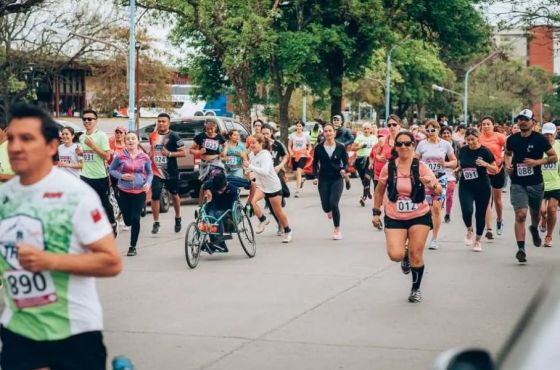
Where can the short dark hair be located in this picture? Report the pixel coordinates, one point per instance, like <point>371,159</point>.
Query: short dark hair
<point>89,111</point>
<point>267,126</point>
<point>70,129</point>
<point>164,115</point>
<point>49,128</point>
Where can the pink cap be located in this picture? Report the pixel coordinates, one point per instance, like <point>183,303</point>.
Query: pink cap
<point>383,132</point>
<point>121,128</point>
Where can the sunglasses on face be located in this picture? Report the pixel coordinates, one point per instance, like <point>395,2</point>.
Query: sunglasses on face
<point>392,124</point>
<point>400,144</point>
<point>431,130</point>
<point>88,119</point>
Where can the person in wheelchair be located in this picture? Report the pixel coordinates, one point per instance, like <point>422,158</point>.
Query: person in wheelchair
<point>220,196</point>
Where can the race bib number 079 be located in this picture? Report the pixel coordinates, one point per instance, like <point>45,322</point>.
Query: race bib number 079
<point>435,165</point>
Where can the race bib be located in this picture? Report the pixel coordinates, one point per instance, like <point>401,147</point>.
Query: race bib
<point>30,289</point>
<point>470,173</point>
<point>406,205</point>
<point>64,159</point>
<point>160,159</point>
<point>550,166</point>
<point>435,165</point>
<point>524,170</point>
<point>299,145</point>
<point>210,144</point>
<point>231,160</point>
<point>89,155</point>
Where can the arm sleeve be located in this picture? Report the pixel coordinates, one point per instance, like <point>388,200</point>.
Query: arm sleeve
<point>344,158</point>
<point>104,142</point>
<point>384,174</point>
<point>546,144</point>
<point>113,170</point>
<point>450,150</point>
<point>90,222</point>
<point>508,144</point>
<point>489,157</point>
<point>149,171</point>
<point>267,165</point>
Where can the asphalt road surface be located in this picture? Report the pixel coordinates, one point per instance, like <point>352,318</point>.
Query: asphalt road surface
<point>315,303</point>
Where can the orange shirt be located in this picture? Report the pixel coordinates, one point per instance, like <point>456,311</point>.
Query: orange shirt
<point>496,143</point>
<point>403,208</point>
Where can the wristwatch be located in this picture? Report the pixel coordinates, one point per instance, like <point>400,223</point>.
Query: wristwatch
<point>376,211</point>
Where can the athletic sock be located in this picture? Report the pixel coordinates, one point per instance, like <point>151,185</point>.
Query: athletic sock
<point>287,229</point>
<point>262,218</point>
<point>417,273</point>
<point>521,245</point>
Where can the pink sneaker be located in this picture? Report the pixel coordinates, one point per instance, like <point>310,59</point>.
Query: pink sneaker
<point>477,247</point>
<point>469,238</point>
<point>337,235</point>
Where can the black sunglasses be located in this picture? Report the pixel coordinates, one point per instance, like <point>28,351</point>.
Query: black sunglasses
<point>392,124</point>
<point>88,119</point>
<point>400,144</point>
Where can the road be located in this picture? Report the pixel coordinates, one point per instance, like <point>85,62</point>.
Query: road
<point>315,303</point>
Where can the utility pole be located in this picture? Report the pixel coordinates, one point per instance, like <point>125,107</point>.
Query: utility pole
<point>132,67</point>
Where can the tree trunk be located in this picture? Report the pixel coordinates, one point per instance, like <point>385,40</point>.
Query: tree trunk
<point>242,107</point>
<point>336,75</point>
<point>283,95</point>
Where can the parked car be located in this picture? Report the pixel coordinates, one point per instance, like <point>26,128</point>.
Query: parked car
<point>188,128</point>
<point>533,344</point>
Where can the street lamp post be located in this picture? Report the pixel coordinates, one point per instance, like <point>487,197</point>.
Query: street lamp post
<point>131,66</point>
<point>388,85</point>
<point>466,96</point>
<point>304,105</point>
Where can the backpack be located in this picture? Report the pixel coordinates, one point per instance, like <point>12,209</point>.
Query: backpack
<point>418,194</point>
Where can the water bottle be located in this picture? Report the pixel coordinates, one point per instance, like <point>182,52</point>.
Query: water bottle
<point>122,363</point>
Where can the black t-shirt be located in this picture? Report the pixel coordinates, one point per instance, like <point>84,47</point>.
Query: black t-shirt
<point>530,147</point>
<point>172,142</point>
<point>474,175</point>
<point>224,201</point>
<point>211,144</point>
<point>278,150</point>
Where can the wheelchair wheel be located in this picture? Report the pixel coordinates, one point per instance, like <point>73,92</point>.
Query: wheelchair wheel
<point>193,242</point>
<point>246,235</point>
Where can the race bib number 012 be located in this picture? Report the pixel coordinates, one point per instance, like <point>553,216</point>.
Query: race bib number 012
<point>406,205</point>
<point>524,170</point>
<point>470,173</point>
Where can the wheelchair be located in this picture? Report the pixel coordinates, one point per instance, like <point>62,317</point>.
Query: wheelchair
<point>205,226</point>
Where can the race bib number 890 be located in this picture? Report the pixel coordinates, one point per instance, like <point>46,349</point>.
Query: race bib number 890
<point>30,289</point>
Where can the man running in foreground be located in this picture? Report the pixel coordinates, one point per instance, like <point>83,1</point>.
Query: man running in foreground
<point>54,239</point>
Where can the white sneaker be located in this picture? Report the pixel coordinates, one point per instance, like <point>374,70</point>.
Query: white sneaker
<point>477,247</point>
<point>433,245</point>
<point>296,194</point>
<point>261,226</point>
<point>469,238</point>
<point>125,228</point>
<point>280,231</point>
<point>337,235</point>
<point>287,237</point>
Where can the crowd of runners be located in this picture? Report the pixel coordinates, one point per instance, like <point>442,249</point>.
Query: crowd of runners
<point>62,200</point>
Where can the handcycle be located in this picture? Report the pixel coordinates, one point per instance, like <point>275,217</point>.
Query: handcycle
<point>206,226</point>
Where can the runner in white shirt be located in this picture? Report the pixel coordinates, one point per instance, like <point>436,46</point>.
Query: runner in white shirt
<point>298,146</point>
<point>54,239</point>
<point>70,157</point>
<point>268,183</point>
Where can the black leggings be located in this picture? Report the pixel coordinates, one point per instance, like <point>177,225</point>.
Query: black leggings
<point>101,187</point>
<point>362,165</point>
<point>330,191</point>
<point>480,197</point>
<point>131,208</point>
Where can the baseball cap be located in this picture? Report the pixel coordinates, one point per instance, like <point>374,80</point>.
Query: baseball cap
<point>383,132</point>
<point>272,125</point>
<point>337,116</point>
<point>525,113</point>
<point>121,129</point>
<point>549,128</point>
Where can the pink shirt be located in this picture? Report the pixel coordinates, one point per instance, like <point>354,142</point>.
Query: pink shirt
<point>404,209</point>
<point>377,164</point>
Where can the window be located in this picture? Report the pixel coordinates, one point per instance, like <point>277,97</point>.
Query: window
<point>146,131</point>
<point>228,123</point>
<point>188,129</point>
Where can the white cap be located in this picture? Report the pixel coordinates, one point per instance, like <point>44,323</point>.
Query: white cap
<point>526,113</point>
<point>549,128</point>
<point>273,125</point>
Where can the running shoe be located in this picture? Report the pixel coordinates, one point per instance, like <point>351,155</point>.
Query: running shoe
<point>469,238</point>
<point>548,241</point>
<point>489,235</point>
<point>261,226</point>
<point>535,235</point>
<point>433,245</point>
<point>296,194</point>
<point>477,247</point>
<point>405,263</point>
<point>302,182</point>
<point>521,256</point>
<point>280,231</point>
<point>369,195</point>
<point>363,201</point>
<point>415,296</point>
<point>177,224</point>
<point>126,228</point>
<point>499,227</point>
<point>337,235</point>
<point>287,237</point>
<point>447,219</point>
<point>542,229</point>
<point>155,228</point>
<point>131,252</point>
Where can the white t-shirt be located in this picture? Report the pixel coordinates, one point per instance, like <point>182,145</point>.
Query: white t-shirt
<point>60,214</point>
<point>299,143</point>
<point>266,177</point>
<point>434,154</point>
<point>67,154</point>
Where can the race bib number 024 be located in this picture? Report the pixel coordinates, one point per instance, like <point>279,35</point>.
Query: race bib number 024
<point>524,170</point>
<point>406,205</point>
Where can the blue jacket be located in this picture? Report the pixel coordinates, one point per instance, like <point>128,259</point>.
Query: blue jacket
<point>140,167</point>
